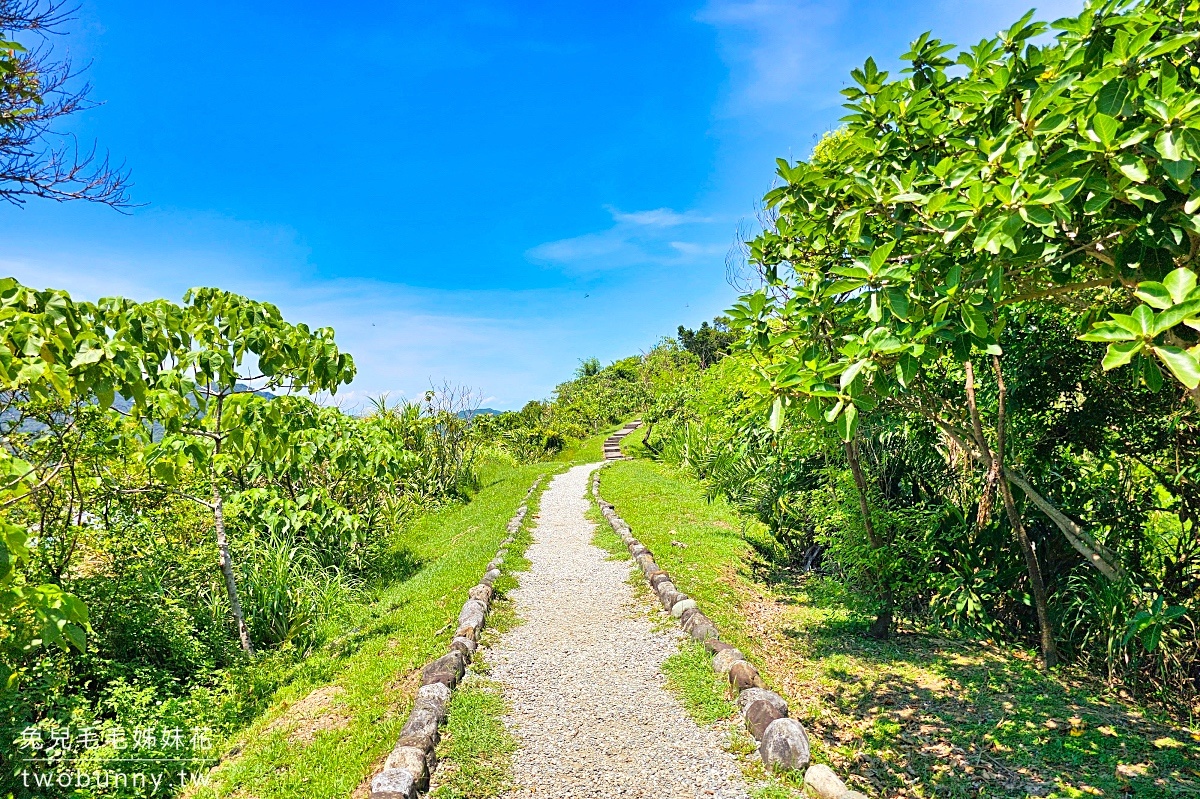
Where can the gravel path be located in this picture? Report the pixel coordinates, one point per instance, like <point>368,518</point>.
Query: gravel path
<point>583,677</point>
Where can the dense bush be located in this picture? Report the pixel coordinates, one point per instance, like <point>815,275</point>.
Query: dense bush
<point>135,434</point>
<point>930,390</point>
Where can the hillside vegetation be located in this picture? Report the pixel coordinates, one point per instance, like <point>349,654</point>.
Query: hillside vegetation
<point>938,468</point>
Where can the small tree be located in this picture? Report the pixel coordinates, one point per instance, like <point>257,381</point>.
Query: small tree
<point>202,360</point>
<point>51,348</point>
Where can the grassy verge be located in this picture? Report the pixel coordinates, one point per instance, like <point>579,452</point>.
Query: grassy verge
<point>632,445</point>
<point>329,728</point>
<point>475,754</point>
<point>703,692</point>
<point>919,716</point>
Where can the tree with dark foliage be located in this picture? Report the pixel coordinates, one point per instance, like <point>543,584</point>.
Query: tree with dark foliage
<point>36,92</point>
<point>708,343</point>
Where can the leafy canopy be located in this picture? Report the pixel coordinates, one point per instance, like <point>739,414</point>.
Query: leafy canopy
<point>1062,172</point>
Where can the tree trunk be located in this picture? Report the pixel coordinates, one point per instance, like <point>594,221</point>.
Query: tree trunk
<point>1096,554</point>
<point>995,463</point>
<point>646,438</point>
<point>881,628</point>
<point>1038,588</point>
<point>218,506</point>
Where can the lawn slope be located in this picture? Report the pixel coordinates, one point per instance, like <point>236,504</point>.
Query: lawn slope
<point>327,731</point>
<point>919,716</point>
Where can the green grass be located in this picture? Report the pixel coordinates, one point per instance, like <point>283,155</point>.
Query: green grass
<point>703,692</point>
<point>476,750</point>
<point>632,446</point>
<point>917,716</point>
<point>331,726</point>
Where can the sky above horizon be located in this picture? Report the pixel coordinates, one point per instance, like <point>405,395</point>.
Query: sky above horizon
<point>484,193</point>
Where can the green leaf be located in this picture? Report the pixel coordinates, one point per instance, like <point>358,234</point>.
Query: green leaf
<point>775,420</point>
<point>1180,171</point>
<point>1037,215</point>
<point>906,369</point>
<point>1154,294</point>
<point>1151,374</point>
<point>847,422</point>
<point>1097,202</point>
<point>105,395</point>
<point>1132,167</point>
<point>1182,365</point>
<point>1168,45</point>
<point>1113,98</point>
<point>1105,128</point>
<point>1168,145</point>
<point>880,255</point>
<point>87,356</point>
<point>1143,317</point>
<point>897,300</point>
<point>1180,283</point>
<point>974,321</point>
<point>875,311</point>
<point>1175,315</point>
<point>1120,354</point>
<point>851,373</point>
<point>1151,193</point>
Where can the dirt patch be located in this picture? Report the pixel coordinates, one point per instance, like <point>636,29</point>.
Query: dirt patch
<point>316,712</point>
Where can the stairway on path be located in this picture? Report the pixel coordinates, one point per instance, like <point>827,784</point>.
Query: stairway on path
<point>612,444</point>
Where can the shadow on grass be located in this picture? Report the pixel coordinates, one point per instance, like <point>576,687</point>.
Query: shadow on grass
<point>396,565</point>
<point>976,720</point>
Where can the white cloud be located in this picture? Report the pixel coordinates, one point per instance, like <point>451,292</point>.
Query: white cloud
<point>798,53</point>
<point>659,217</point>
<point>639,238</point>
<point>693,249</point>
<point>772,47</point>
<point>609,244</point>
<point>510,345</point>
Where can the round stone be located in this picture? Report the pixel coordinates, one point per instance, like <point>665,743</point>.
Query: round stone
<point>785,746</point>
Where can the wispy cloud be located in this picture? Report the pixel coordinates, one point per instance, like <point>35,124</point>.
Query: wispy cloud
<point>798,53</point>
<point>659,217</point>
<point>638,238</point>
<point>773,47</point>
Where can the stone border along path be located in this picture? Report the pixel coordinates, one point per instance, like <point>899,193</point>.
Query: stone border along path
<point>409,766</point>
<point>582,676</point>
<point>783,743</point>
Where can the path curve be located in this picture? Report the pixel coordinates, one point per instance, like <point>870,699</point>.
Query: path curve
<point>582,676</point>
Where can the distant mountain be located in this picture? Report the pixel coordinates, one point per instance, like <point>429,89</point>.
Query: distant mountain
<point>10,416</point>
<point>479,412</point>
<point>123,404</point>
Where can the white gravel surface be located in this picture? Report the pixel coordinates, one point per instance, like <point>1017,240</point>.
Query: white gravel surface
<point>582,675</point>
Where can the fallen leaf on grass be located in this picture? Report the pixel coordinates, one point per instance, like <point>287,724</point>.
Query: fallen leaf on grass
<point>1167,743</point>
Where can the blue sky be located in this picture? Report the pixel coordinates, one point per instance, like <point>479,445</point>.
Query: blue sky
<point>480,192</point>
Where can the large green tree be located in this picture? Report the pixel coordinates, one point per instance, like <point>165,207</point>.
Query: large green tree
<point>1023,172</point>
